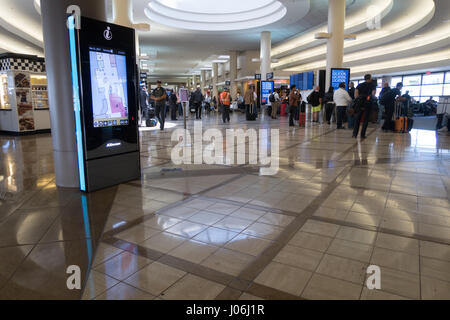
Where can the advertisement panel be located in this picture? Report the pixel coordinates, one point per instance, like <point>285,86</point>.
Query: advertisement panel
<point>266,87</point>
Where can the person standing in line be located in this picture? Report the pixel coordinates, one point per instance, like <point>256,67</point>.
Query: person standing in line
<point>269,102</point>
<point>342,100</point>
<point>351,90</point>
<point>249,100</point>
<point>382,107</point>
<point>329,104</point>
<point>173,106</point>
<point>315,100</point>
<point>389,98</point>
<point>225,99</point>
<point>159,95</point>
<point>197,99</point>
<point>293,102</point>
<point>275,104</point>
<point>363,94</point>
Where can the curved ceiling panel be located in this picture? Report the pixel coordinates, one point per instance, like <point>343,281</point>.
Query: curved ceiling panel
<point>212,17</point>
<point>355,22</point>
<point>17,18</point>
<point>411,17</point>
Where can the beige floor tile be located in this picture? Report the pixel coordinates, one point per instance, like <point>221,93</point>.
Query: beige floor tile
<point>199,204</point>
<point>155,278</point>
<point>161,222</point>
<point>400,283</point>
<point>105,252</point>
<point>399,225</point>
<point>248,213</point>
<point>388,241</point>
<point>193,251</point>
<point>163,242</point>
<point>331,213</point>
<point>137,234</point>
<point>248,244</point>
<point>123,291</point>
<point>233,224</point>
<point>248,297</point>
<point>321,287</point>
<point>280,220</point>
<point>343,268</point>
<point>433,268</point>
<point>434,289</point>
<point>97,283</point>
<point>223,208</point>
<point>299,257</point>
<point>228,261</point>
<point>284,278</point>
<point>434,231</point>
<point>215,236</point>
<point>262,230</point>
<point>206,218</point>
<point>396,260</point>
<point>192,287</point>
<point>379,295</point>
<point>187,229</point>
<point>123,265</point>
<point>180,212</point>
<point>435,250</point>
<point>351,250</point>
<point>311,241</point>
<point>356,235</point>
<point>321,228</point>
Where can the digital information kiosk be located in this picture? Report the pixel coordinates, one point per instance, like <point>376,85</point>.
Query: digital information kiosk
<point>338,76</point>
<point>103,60</point>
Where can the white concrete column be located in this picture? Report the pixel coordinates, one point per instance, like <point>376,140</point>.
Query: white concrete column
<point>123,12</point>
<point>265,54</point>
<point>194,81</point>
<point>233,73</point>
<point>335,44</point>
<point>215,78</point>
<point>203,81</point>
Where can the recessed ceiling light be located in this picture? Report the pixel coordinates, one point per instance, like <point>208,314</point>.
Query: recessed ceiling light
<point>219,61</point>
<point>224,57</point>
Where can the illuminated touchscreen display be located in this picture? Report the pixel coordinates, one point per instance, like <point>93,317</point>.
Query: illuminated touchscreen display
<point>109,87</point>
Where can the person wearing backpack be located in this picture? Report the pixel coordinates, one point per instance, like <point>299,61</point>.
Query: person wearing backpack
<point>329,104</point>
<point>275,101</point>
<point>315,99</point>
<point>388,101</point>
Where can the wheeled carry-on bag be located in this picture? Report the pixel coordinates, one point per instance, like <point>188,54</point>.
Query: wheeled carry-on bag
<point>302,119</point>
<point>401,122</point>
<point>283,109</point>
<point>251,116</point>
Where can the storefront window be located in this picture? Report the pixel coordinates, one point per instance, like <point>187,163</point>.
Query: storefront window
<point>395,80</point>
<point>412,80</point>
<point>433,78</point>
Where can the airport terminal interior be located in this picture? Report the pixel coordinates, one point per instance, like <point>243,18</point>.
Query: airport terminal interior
<point>91,177</point>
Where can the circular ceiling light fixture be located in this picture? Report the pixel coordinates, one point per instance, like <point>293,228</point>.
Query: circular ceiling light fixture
<point>215,15</point>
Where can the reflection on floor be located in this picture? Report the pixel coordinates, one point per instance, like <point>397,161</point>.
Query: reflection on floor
<point>336,206</point>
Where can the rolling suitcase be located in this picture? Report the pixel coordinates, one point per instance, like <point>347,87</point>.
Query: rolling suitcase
<point>283,109</point>
<point>302,119</point>
<point>400,122</point>
<point>251,116</point>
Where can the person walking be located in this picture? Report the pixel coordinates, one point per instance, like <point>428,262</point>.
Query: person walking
<point>197,100</point>
<point>159,95</point>
<point>173,106</point>
<point>363,94</point>
<point>294,99</point>
<point>329,104</point>
<point>315,100</point>
<point>249,100</point>
<point>275,104</point>
<point>225,99</point>
<point>342,100</point>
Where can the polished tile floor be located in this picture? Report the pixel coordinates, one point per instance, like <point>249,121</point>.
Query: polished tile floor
<point>336,206</point>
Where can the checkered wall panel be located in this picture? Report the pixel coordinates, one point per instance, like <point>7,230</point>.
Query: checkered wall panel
<point>20,64</point>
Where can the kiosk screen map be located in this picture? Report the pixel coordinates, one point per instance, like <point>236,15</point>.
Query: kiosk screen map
<point>109,88</point>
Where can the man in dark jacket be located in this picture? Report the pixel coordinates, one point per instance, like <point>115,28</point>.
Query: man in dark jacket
<point>197,99</point>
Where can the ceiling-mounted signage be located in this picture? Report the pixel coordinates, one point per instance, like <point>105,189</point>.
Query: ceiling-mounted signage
<point>270,76</point>
<point>257,76</point>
